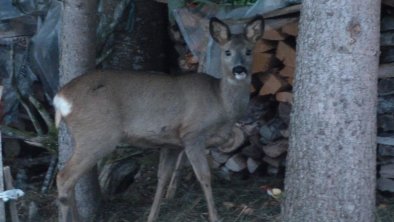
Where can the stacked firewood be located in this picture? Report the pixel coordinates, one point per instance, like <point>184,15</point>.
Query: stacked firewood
<point>386,101</point>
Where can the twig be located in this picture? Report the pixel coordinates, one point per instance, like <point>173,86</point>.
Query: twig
<point>15,133</point>
<point>43,112</point>
<point>50,175</point>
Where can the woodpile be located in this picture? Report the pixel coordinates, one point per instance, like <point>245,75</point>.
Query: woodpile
<point>385,141</point>
<point>266,125</point>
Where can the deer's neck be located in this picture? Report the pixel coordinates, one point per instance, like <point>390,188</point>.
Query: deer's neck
<point>235,96</point>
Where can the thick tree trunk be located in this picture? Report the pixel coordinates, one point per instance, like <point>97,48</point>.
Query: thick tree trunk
<point>77,55</point>
<point>331,161</point>
<point>146,46</point>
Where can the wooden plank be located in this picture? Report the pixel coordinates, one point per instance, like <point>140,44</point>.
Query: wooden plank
<point>9,186</point>
<point>283,11</point>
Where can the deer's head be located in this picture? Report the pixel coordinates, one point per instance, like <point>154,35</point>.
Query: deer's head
<point>236,48</point>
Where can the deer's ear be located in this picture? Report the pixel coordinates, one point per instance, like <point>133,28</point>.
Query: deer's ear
<point>219,31</point>
<point>255,28</point>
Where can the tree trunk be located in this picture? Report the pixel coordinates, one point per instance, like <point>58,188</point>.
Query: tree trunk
<point>77,55</point>
<point>330,174</point>
<point>146,46</point>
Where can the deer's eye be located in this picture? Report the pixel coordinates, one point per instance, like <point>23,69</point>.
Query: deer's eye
<point>248,52</point>
<point>227,52</point>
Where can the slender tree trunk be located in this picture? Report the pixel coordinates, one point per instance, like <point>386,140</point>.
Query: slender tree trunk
<point>330,174</point>
<point>77,55</point>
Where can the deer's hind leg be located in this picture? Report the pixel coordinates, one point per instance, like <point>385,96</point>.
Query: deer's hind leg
<point>87,151</point>
<point>167,162</point>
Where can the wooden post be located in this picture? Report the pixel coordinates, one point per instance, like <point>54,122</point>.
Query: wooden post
<point>9,186</point>
<point>2,211</point>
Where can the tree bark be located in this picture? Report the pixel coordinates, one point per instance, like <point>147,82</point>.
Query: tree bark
<point>146,46</point>
<point>77,55</point>
<point>330,174</point>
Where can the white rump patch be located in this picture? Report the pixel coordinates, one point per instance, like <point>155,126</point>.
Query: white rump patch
<point>63,108</point>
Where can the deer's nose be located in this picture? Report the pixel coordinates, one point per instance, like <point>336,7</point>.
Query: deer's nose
<point>240,70</point>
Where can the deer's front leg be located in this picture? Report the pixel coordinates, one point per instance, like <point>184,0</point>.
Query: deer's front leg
<point>195,152</point>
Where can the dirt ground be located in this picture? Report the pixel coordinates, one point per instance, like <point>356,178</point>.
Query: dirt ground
<point>241,199</point>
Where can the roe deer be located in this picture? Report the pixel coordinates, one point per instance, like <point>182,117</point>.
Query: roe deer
<point>153,110</point>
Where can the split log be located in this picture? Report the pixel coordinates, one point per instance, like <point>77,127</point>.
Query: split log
<point>386,140</point>
<point>271,131</point>
<point>387,23</point>
<point>387,171</point>
<point>264,46</point>
<point>272,84</point>
<point>386,122</point>
<point>287,71</point>
<point>388,2</point>
<point>387,55</point>
<point>284,97</point>
<point>386,87</point>
<point>387,39</point>
<point>385,104</point>
<point>116,176</point>
<point>290,29</point>
<point>272,162</point>
<point>386,70</point>
<point>236,163</point>
<point>276,149</point>
<point>285,133</point>
<point>252,151</point>
<point>237,139</point>
<point>286,54</point>
<point>219,156</point>
<point>271,170</point>
<point>252,165</point>
<point>271,33</point>
<point>262,62</point>
<point>272,27</point>
<point>284,110</point>
<point>385,184</point>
